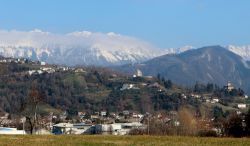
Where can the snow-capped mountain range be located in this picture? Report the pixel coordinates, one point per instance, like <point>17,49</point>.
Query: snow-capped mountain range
<point>86,48</point>
<point>77,48</point>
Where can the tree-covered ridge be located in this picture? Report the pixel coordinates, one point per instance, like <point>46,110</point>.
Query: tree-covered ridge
<point>94,89</point>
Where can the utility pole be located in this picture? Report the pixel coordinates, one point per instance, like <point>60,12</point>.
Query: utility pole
<point>35,120</point>
<point>148,124</point>
<point>23,120</point>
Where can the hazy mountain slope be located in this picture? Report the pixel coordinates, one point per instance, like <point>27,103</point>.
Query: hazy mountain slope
<point>213,64</point>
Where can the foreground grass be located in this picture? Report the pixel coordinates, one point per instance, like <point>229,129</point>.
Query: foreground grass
<point>98,140</point>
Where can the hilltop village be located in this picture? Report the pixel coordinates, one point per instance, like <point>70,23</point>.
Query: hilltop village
<point>39,98</point>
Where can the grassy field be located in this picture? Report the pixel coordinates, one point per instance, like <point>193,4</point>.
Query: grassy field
<point>97,140</point>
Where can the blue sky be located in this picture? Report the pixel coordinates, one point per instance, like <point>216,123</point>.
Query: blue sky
<point>164,23</point>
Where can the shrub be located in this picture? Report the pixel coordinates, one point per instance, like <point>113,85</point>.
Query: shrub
<point>207,133</point>
<point>233,127</point>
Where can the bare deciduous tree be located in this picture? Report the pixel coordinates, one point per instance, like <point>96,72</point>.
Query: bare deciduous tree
<point>30,109</point>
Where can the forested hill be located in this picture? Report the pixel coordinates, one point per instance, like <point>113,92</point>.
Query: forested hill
<point>94,89</point>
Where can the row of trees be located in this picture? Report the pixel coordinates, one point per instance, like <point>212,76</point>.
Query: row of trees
<point>213,88</point>
<point>185,123</point>
<point>167,83</point>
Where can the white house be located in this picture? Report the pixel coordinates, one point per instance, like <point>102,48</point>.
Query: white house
<point>138,73</point>
<point>42,63</point>
<point>183,96</point>
<point>48,69</point>
<point>80,70</point>
<point>215,100</point>
<point>30,72</point>
<point>68,128</point>
<point>242,106</point>
<point>103,113</point>
<point>126,112</point>
<point>229,86</point>
<point>135,115</point>
<point>119,128</point>
<point>3,60</point>
<point>127,86</point>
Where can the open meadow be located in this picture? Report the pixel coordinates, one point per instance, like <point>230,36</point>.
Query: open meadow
<point>98,140</point>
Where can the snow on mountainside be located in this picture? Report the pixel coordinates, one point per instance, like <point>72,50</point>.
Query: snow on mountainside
<point>177,50</point>
<point>243,51</point>
<point>77,48</point>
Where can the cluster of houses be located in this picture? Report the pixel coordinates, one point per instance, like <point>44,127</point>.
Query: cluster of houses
<point>122,123</point>
<point>44,67</point>
<point>86,125</point>
<point>128,86</point>
<point>105,129</point>
<point>49,70</point>
<point>213,99</point>
<point>207,99</point>
<point>10,60</point>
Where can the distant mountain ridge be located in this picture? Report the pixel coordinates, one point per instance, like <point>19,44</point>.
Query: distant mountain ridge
<point>214,64</point>
<point>86,48</point>
<point>77,48</point>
